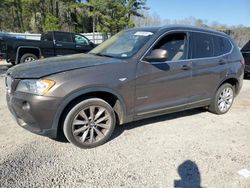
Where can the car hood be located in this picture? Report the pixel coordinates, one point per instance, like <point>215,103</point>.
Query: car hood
<point>49,66</point>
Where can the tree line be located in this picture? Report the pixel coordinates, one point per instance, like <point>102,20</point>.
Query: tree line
<point>240,33</point>
<point>109,16</point>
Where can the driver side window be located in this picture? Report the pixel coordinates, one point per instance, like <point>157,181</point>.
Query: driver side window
<point>81,40</point>
<point>175,44</point>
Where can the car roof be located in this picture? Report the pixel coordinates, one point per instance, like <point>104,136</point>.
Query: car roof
<point>180,27</point>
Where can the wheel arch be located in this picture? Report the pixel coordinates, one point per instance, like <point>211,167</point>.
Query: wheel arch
<point>21,50</point>
<point>233,81</point>
<point>108,95</point>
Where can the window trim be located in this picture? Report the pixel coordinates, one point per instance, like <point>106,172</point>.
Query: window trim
<point>188,31</point>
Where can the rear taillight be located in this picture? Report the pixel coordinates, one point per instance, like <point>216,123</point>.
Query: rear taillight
<point>242,61</point>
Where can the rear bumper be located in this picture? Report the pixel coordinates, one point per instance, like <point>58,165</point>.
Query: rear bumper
<point>34,113</point>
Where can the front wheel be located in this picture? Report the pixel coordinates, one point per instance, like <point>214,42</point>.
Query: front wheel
<point>89,123</point>
<point>223,99</point>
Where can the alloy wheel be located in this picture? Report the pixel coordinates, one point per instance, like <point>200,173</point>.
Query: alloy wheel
<point>225,99</point>
<point>29,59</point>
<point>91,124</point>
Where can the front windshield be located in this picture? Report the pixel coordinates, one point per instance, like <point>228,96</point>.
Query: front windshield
<point>123,45</point>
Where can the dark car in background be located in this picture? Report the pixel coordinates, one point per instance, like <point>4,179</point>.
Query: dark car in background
<point>136,74</point>
<point>2,49</point>
<point>3,36</point>
<point>246,54</point>
<point>52,43</point>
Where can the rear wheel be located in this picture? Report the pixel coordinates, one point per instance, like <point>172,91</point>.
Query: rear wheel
<point>223,99</point>
<point>89,123</point>
<point>28,58</point>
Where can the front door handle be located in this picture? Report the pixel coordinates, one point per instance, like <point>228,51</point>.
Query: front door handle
<point>59,45</point>
<point>186,67</point>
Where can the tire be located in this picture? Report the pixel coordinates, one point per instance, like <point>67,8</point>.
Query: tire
<point>223,99</point>
<point>85,129</point>
<point>28,58</point>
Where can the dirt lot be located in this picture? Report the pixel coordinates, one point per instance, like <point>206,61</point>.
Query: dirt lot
<point>192,147</point>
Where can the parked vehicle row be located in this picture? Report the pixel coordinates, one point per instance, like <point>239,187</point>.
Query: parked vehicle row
<point>53,43</point>
<point>136,74</point>
<point>246,54</point>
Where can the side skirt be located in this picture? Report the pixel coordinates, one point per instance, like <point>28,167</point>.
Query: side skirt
<point>162,111</point>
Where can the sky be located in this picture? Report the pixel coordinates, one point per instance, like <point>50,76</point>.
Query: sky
<point>229,12</point>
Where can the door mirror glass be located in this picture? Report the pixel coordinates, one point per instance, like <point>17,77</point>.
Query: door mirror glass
<point>157,55</point>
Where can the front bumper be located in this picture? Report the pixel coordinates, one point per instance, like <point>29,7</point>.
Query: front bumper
<point>34,113</point>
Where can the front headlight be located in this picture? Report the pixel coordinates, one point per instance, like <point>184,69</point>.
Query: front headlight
<point>37,87</point>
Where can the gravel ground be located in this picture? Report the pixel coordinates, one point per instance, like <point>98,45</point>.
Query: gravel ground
<point>192,147</point>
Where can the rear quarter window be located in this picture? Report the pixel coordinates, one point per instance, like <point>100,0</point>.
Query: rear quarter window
<point>47,37</point>
<point>221,45</point>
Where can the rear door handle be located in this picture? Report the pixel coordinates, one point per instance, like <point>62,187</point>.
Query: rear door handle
<point>59,45</point>
<point>78,46</point>
<point>186,67</point>
<point>222,62</point>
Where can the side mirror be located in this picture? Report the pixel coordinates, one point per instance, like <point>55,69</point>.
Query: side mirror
<point>157,55</point>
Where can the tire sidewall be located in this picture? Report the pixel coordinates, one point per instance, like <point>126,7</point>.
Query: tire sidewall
<point>22,60</point>
<point>67,125</point>
<point>218,111</point>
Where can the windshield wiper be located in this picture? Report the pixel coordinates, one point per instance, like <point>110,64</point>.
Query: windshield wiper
<point>100,54</point>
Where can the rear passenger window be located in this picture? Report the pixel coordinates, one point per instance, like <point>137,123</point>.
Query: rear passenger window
<point>203,45</point>
<point>47,37</point>
<point>221,45</point>
<point>63,37</point>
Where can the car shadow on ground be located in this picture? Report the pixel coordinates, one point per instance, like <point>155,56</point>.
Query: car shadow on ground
<point>128,126</point>
<point>189,174</point>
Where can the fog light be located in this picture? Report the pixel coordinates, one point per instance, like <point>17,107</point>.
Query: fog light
<point>26,106</point>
